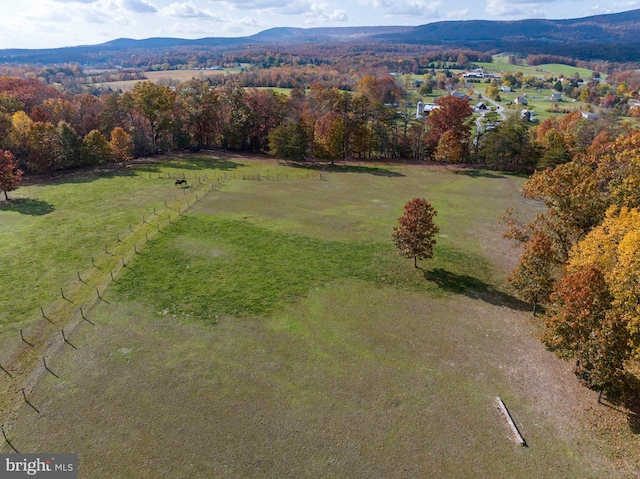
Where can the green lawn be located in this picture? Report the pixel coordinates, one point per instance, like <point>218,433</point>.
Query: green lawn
<point>273,331</point>
<point>567,70</point>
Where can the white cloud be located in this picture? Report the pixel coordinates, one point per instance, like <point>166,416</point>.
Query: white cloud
<point>189,10</point>
<point>251,22</point>
<point>524,8</point>
<point>456,14</point>
<point>318,14</point>
<point>258,4</point>
<point>404,8</point>
<point>414,8</point>
<point>613,7</point>
<point>138,6</point>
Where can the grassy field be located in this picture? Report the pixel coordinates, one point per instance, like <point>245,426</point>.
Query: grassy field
<point>273,331</point>
<point>567,70</point>
<point>168,77</point>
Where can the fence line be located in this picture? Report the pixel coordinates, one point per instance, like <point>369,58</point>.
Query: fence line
<point>107,269</point>
<point>49,348</point>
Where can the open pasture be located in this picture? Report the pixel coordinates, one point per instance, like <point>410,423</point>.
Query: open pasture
<point>165,77</point>
<point>273,331</point>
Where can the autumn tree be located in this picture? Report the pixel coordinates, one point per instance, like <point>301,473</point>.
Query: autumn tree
<point>266,112</point>
<point>583,325</point>
<point>534,277</point>
<point>198,108</point>
<point>10,175</point>
<point>614,247</point>
<point>453,115</point>
<point>572,191</point>
<point>121,146</point>
<point>156,105</point>
<point>95,149</point>
<point>416,234</point>
<point>329,136</point>
<point>449,149</point>
<point>43,148</point>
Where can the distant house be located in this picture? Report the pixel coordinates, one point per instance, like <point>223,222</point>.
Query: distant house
<point>423,109</point>
<point>634,104</point>
<point>555,97</point>
<point>589,116</point>
<point>459,94</point>
<point>481,106</point>
<point>479,73</point>
<point>506,89</point>
<point>520,100</point>
<point>528,115</point>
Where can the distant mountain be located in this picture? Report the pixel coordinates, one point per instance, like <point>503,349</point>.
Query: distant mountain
<point>613,37</point>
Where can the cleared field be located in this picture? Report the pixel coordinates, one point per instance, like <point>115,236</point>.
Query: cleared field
<point>273,331</point>
<point>567,70</point>
<point>168,77</point>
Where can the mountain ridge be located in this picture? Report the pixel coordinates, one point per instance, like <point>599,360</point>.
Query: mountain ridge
<point>616,35</point>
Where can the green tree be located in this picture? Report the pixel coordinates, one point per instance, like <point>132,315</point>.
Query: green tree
<point>95,149</point>
<point>10,175</point>
<point>289,141</point>
<point>198,106</point>
<point>43,148</point>
<point>426,88</point>
<point>507,146</point>
<point>156,105</point>
<point>415,236</point>
<point>69,144</point>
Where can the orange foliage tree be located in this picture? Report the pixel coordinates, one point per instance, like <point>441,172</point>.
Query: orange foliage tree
<point>415,236</point>
<point>10,175</point>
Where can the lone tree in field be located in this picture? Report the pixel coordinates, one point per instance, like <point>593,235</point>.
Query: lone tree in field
<point>10,175</point>
<point>416,233</point>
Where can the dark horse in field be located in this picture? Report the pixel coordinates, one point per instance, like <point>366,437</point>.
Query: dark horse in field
<point>181,182</point>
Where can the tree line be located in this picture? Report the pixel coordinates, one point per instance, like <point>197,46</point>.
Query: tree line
<point>581,255</point>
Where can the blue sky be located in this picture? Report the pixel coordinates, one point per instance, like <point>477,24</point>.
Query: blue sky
<point>58,23</point>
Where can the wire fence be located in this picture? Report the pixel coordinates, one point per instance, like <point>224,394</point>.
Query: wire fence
<point>58,320</point>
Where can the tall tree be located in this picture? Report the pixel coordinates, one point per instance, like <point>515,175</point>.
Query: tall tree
<point>614,247</point>
<point>449,149</point>
<point>10,175</point>
<point>156,105</point>
<point>266,112</point>
<point>43,148</point>
<point>95,149</point>
<point>329,136</point>
<point>121,146</point>
<point>198,105</point>
<point>583,325</point>
<point>69,144</point>
<point>234,115</point>
<point>289,141</point>
<point>415,236</point>
<point>453,114</point>
<point>534,277</point>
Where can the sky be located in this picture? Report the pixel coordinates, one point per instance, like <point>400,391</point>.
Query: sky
<point>60,23</point>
